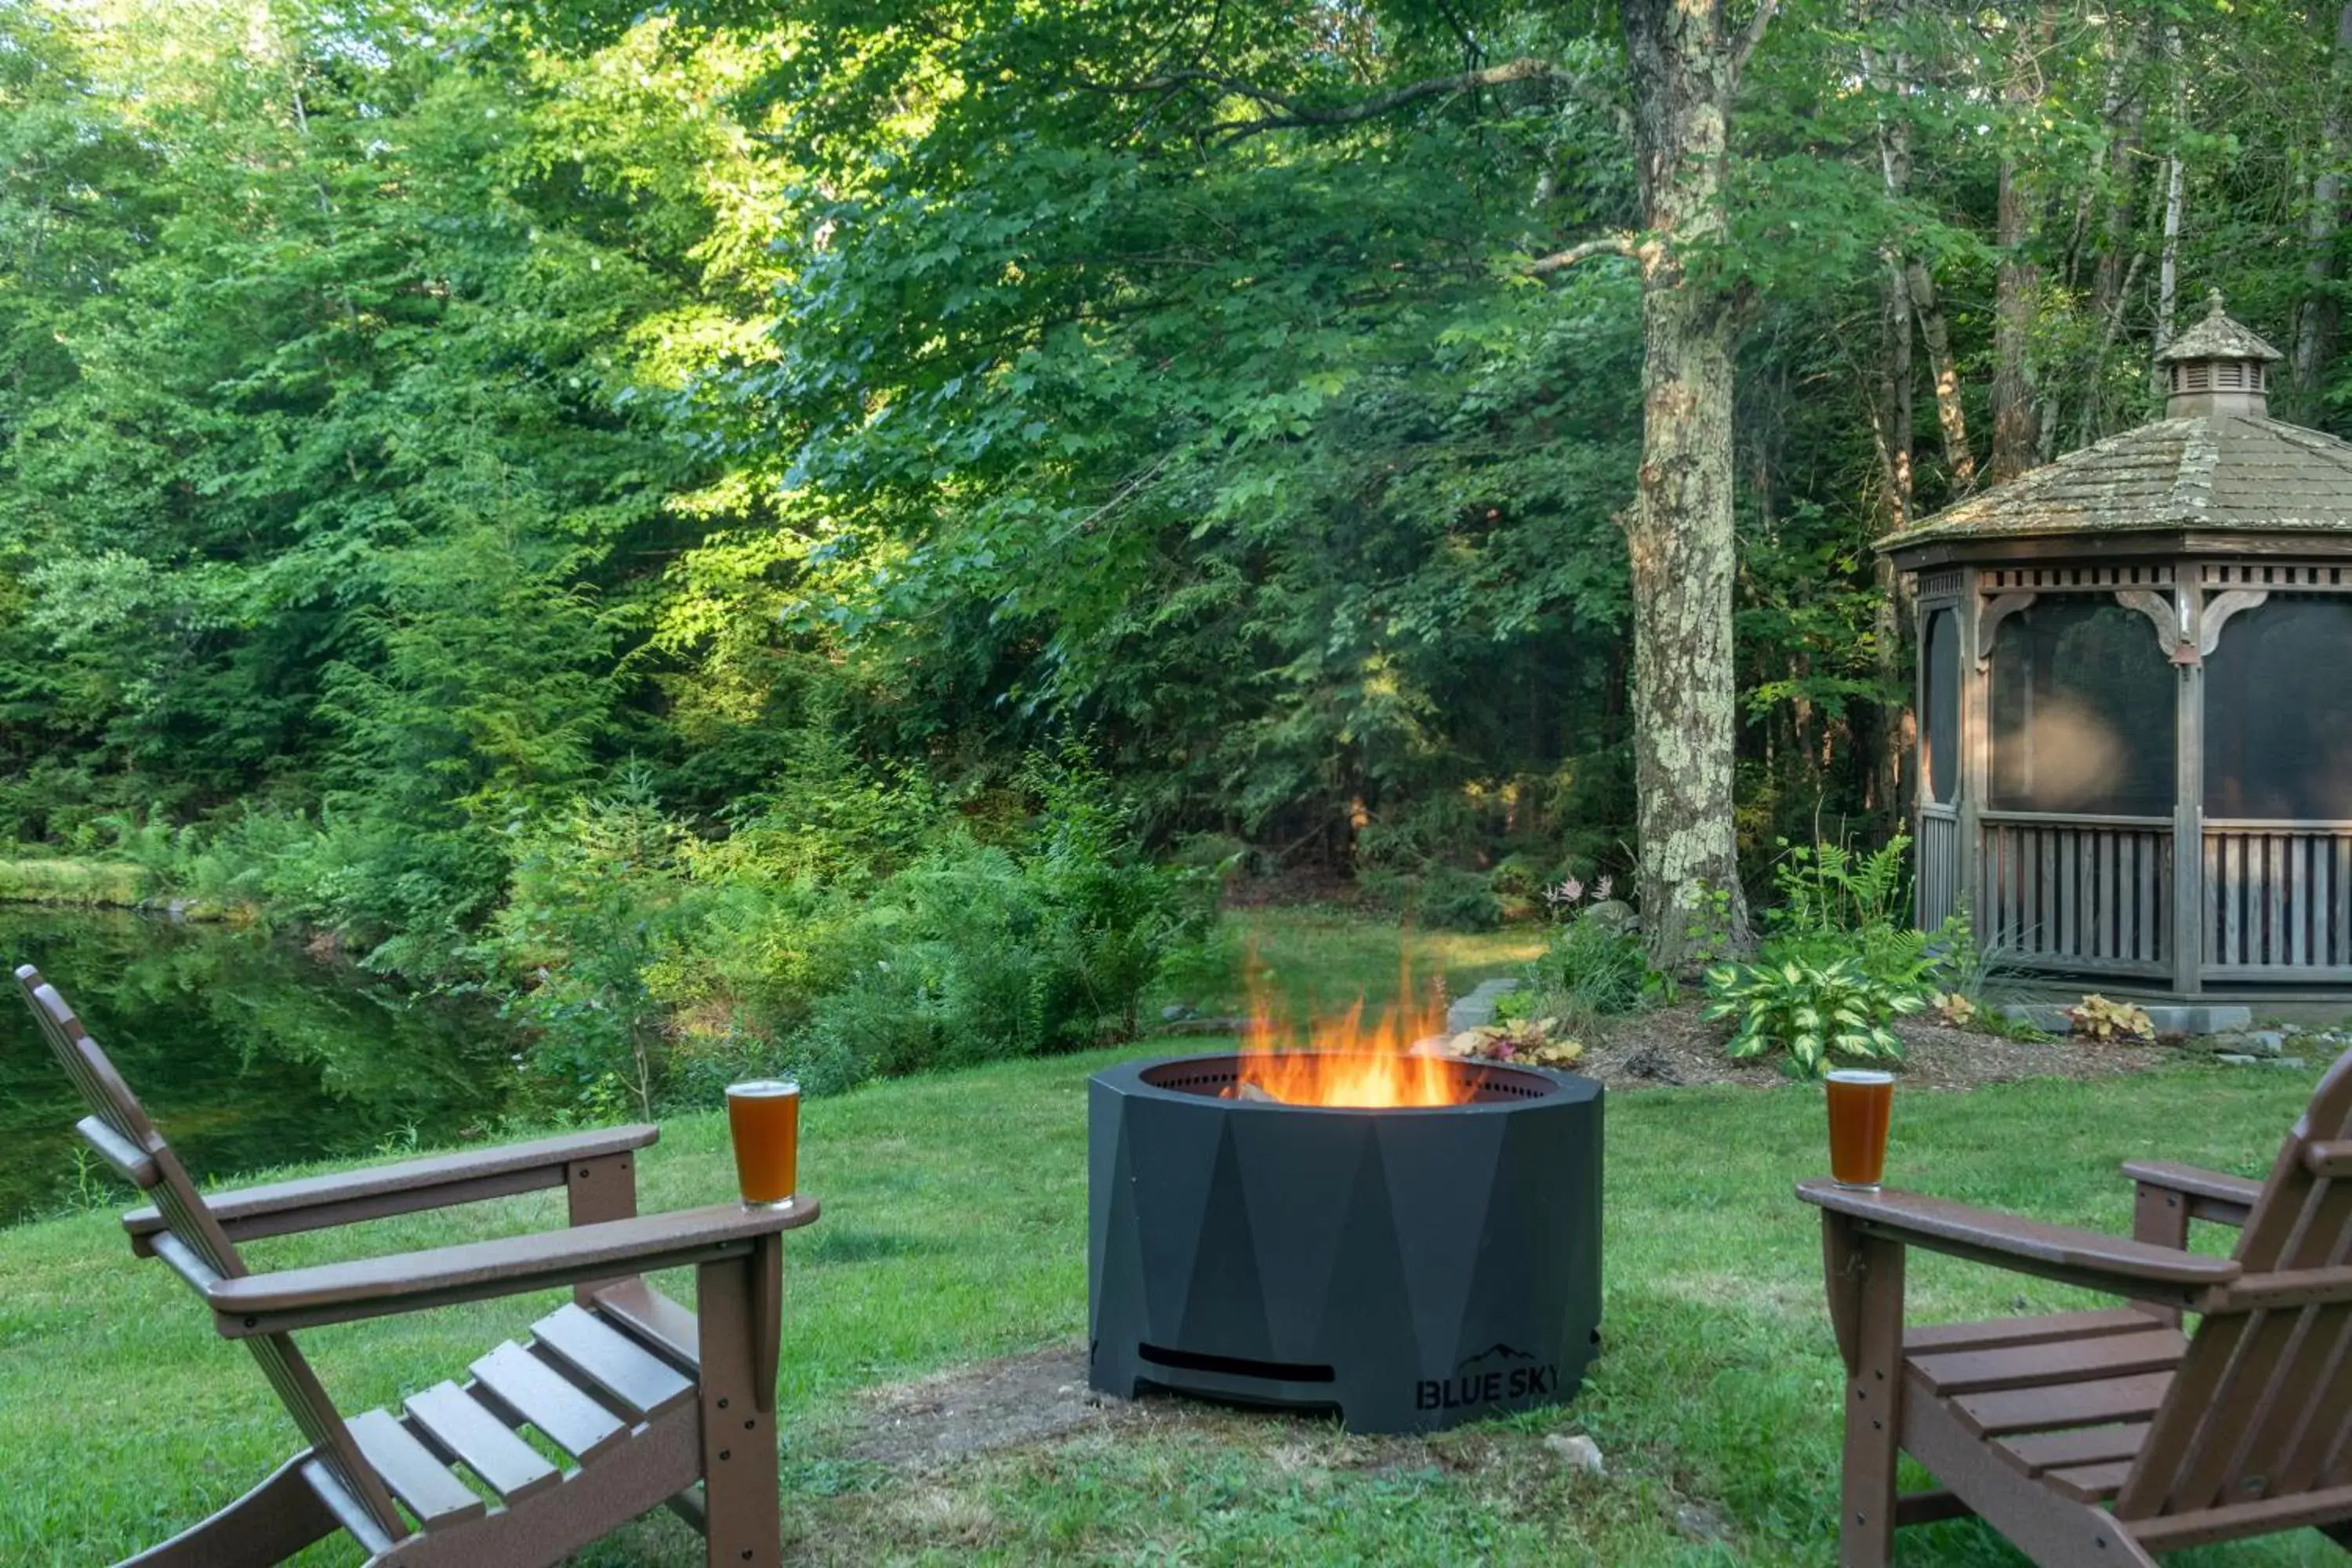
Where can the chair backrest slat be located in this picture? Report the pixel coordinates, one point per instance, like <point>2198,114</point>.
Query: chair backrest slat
<point>119,1128</point>
<point>113,1103</point>
<point>2259,1403</point>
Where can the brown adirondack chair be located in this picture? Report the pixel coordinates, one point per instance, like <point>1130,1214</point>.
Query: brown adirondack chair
<point>652,1405</point>
<point>2105,1437</point>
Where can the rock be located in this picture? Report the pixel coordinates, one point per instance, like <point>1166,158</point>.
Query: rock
<point>1174,1012</point>
<point>2282,1061</point>
<point>2235,1058</point>
<point>1614,913</point>
<point>1479,1007</point>
<point>2165,1017</point>
<point>2265,1042</point>
<point>1698,1524</point>
<point>1652,1063</point>
<point>1577,1451</point>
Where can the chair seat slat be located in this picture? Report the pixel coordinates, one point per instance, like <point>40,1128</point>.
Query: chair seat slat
<point>2089,1483</point>
<point>1932,1337</point>
<point>634,1378</point>
<point>437,1497</point>
<point>2053,1362</point>
<point>452,1419</point>
<point>2092,1403</point>
<point>539,1395</point>
<point>2038,1451</point>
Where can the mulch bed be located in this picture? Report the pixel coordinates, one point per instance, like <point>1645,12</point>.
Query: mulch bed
<point>1675,1045</point>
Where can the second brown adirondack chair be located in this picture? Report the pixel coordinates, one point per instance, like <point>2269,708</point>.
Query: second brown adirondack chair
<point>652,1404</point>
<point>2102,1437</point>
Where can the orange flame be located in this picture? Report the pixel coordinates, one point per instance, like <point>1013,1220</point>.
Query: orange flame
<point>1344,1062</point>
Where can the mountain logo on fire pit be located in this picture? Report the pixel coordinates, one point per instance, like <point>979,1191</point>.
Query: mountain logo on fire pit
<point>1499,1374</point>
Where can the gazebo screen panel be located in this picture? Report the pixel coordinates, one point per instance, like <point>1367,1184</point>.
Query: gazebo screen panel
<point>2083,712</point>
<point>2278,713</point>
<point>1939,745</point>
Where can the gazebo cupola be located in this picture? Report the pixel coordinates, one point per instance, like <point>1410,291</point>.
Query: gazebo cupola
<point>2216,367</point>
<point>2135,697</point>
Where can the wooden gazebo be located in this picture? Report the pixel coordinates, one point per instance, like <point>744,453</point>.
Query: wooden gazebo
<point>2135,697</point>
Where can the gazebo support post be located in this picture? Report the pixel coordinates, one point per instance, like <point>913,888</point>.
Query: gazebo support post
<point>1976,750</point>
<point>2189,793</point>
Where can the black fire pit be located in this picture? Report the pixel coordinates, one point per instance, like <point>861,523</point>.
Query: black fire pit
<point>1409,1268</point>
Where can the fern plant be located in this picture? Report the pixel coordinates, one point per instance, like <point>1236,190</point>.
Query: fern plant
<point>1812,1011</point>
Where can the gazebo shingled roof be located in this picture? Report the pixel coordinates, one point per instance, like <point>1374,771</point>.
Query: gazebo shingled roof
<point>2231,470</point>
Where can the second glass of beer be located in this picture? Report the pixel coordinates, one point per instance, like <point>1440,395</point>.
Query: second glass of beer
<point>1862,1104</point>
<point>764,1117</point>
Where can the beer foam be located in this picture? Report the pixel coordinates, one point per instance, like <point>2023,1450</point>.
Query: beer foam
<point>764,1089</point>
<point>1860,1075</point>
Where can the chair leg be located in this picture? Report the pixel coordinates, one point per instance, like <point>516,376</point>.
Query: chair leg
<point>743,1515</point>
<point>1873,1399</point>
<point>265,1526</point>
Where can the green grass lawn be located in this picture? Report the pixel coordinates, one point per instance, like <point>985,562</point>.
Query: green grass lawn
<point>954,1231</point>
<point>1318,959</point>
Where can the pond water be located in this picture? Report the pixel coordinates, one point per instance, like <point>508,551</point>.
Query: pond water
<point>246,1052</point>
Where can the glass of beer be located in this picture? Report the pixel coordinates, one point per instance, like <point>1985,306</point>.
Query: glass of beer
<point>1861,1105</point>
<point>765,1118</point>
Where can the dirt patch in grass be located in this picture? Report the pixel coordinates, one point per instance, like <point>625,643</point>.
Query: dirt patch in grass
<point>1015,1460</point>
<point>1675,1045</point>
<point>973,1409</point>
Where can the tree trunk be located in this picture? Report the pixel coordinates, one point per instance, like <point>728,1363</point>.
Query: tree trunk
<point>1685,70</point>
<point>2016,429</point>
<point>2119,253</point>
<point>2314,337</point>
<point>2167,272</point>
<point>2016,419</point>
<point>1892,416</point>
<point>1951,417</point>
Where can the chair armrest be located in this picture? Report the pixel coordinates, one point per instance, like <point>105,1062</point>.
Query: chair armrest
<point>2114,1265</point>
<point>2225,1200</point>
<point>437,1180</point>
<point>409,1281</point>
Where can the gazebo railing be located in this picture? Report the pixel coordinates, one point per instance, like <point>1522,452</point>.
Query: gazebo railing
<point>2077,892</point>
<point>2278,900</point>
<point>1941,865</point>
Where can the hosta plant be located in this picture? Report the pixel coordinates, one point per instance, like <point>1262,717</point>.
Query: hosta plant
<point>1812,1011</point>
<point>2097,1019</point>
<point>1953,1010</point>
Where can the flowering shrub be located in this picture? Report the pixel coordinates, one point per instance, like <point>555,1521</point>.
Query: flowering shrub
<point>2095,1017</point>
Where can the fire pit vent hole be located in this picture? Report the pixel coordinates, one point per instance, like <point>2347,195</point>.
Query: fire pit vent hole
<point>1236,1366</point>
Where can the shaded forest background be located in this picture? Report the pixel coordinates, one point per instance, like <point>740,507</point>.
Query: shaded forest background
<point>622,498</point>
